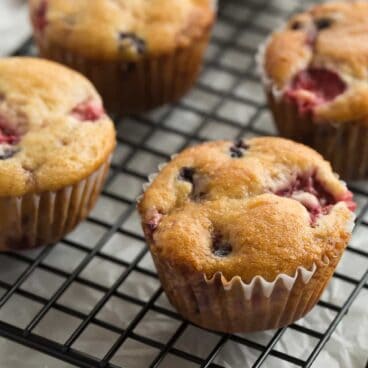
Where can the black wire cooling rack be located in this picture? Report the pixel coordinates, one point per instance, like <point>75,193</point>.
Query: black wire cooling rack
<point>59,308</point>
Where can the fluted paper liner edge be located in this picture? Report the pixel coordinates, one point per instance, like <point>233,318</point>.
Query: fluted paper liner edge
<point>37,219</point>
<point>267,286</point>
<point>234,306</point>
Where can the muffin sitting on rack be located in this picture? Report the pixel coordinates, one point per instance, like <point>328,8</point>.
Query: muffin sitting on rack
<point>139,54</point>
<point>315,74</point>
<point>55,146</point>
<point>246,235</point>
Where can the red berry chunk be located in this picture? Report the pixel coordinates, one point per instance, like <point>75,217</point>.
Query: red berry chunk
<point>153,222</point>
<point>39,19</point>
<point>8,138</point>
<point>313,87</point>
<point>88,111</point>
<point>307,190</point>
<point>7,134</point>
<point>348,199</point>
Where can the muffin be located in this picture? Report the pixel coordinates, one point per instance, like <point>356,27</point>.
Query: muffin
<point>55,146</point>
<point>139,54</point>
<point>315,71</point>
<point>245,236</point>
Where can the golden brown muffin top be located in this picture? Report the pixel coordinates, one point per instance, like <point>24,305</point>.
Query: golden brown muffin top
<point>121,29</point>
<point>319,60</point>
<point>53,128</point>
<point>259,207</point>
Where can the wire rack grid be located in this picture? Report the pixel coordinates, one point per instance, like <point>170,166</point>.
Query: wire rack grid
<point>61,300</point>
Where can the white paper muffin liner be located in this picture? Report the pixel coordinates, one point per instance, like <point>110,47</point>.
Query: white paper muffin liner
<point>235,306</point>
<point>343,144</point>
<point>43,218</point>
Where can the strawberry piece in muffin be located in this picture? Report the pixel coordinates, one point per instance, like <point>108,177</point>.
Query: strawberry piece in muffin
<point>39,17</point>
<point>315,197</point>
<point>313,87</point>
<point>88,110</point>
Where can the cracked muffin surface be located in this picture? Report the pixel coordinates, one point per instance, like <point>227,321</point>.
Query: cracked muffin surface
<point>264,206</point>
<point>112,29</point>
<point>318,61</point>
<point>53,128</point>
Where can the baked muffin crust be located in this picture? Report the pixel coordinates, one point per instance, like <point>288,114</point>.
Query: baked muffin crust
<point>261,207</point>
<point>325,46</point>
<point>126,29</point>
<point>53,128</point>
